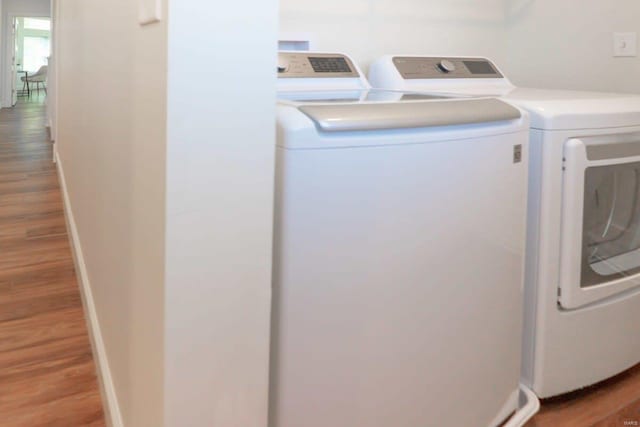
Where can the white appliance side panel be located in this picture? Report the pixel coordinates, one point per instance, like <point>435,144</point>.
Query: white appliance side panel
<point>534,198</point>
<point>398,284</point>
<point>573,349</point>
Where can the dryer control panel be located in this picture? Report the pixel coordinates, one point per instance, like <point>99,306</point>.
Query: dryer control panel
<point>412,67</point>
<point>315,65</point>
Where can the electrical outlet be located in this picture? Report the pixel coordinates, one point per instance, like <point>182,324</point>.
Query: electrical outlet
<point>150,11</point>
<point>625,44</point>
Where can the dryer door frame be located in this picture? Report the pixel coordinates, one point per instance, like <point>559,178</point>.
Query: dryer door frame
<point>580,155</point>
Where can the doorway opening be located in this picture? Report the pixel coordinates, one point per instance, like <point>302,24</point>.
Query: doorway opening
<point>32,48</point>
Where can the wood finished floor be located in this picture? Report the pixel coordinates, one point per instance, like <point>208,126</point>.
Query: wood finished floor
<point>612,403</point>
<point>47,374</point>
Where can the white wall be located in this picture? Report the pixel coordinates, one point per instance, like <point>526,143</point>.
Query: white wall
<point>568,44</point>
<point>556,44</point>
<point>220,177</point>
<point>171,187</point>
<point>19,8</point>
<point>112,148</point>
<point>367,29</point>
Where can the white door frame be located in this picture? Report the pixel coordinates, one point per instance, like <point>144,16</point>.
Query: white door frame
<point>12,66</point>
<point>52,77</point>
<point>7,54</point>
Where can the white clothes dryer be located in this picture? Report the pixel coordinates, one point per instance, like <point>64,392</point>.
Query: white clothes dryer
<point>398,255</point>
<point>582,311</point>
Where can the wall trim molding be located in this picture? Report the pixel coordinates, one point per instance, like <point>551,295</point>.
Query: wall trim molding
<point>107,388</point>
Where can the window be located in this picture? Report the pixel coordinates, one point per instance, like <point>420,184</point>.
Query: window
<point>36,51</point>
<point>32,43</point>
<point>37,24</point>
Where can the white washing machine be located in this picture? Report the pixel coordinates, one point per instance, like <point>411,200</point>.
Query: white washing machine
<point>398,254</point>
<point>582,321</point>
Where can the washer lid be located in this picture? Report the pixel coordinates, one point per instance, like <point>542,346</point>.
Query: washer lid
<point>339,111</point>
<point>340,117</point>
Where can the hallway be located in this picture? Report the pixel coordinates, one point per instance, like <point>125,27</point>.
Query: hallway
<point>48,375</point>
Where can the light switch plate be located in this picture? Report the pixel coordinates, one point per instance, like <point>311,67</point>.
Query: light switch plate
<point>625,44</point>
<point>150,11</point>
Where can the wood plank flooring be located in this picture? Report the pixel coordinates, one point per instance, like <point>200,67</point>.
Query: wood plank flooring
<point>612,403</point>
<point>47,374</point>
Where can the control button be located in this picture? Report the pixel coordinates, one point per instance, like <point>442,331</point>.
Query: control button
<point>283,66</point>
<point>446,66</point>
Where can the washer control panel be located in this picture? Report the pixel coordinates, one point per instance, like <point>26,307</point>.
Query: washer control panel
<point>315,65</point>
<point>412,67</point>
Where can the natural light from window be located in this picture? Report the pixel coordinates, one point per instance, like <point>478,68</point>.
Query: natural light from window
<point>37,24</point>
<point>36,51</point>
<point>32,43</point>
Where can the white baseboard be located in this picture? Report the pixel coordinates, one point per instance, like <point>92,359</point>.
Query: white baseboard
<point>107,389</point>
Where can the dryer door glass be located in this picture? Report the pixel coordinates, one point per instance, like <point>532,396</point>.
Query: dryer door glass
<point>611,223</point>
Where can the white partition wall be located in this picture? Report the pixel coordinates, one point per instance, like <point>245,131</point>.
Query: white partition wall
<point>111,149</point>
<point>220,173</point>
<point>165,148</point>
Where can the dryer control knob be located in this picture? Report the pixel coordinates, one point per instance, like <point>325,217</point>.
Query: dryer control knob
<point>283,66</point>
<point>446,66</point>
